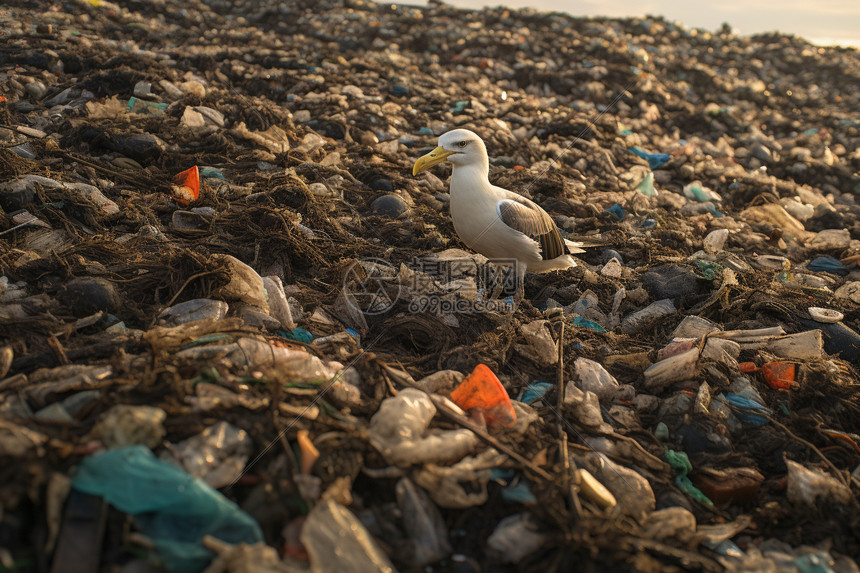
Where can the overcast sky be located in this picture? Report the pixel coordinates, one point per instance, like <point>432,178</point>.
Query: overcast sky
<point>812,19</point>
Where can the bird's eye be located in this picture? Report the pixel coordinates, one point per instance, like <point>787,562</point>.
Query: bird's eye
<point>462,143</point>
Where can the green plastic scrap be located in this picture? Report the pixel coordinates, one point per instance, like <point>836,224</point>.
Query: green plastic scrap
<point>709,270</point>
<point>205,339</point>
<point>680,462</point>
<point>646,186</point>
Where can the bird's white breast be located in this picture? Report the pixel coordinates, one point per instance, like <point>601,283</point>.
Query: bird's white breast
<point>474,213</point>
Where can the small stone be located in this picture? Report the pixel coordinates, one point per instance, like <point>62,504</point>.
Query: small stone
<point>36,90</point>
<point>609,254</point>
<point>384,185</point>
<point>390,205</point>
<point>88,295</point>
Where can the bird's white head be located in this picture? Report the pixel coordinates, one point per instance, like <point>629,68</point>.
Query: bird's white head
<point>460,147</point>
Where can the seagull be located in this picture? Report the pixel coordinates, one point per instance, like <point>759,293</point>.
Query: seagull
<point>501,225</point>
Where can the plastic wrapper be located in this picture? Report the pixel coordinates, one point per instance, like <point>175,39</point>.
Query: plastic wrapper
<point>217,455</point>
<point>171,507</point>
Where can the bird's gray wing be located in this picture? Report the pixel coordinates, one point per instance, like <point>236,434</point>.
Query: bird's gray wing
<point>529,219</point>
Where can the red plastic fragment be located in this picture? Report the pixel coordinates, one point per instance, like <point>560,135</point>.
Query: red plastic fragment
<point>779,375</point>
<point>748,367</point>
<point>482,389</point>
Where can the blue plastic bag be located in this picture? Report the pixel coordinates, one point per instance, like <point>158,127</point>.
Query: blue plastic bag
<point>169,506</point>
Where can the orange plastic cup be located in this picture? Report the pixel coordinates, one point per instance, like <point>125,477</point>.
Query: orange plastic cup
<point>482,389</point>
<point>187,188</point>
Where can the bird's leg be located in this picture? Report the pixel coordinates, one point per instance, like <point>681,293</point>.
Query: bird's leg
<point>498,283</point>
<point>520,273</point>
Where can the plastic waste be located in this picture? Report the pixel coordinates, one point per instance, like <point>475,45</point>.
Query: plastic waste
<point>580,322</point>
<point>745,408</point>
<point>654,160</point>
<point>277,300</point>
<point>540,348</point>
<point>186,187</point>
<point>594,378</point>
<point>779,375</point>
<point>801,346</point>
<point>293,365</point>
<point>616,211</point>
<point>850,290</point>
<point>729,485</point>
<point>516,489</point>
<point>424,523</point>
<point>515,537</point>
<point>612,268</point>
<point>460,485</point>
<point>301,335</point>
<point>715,240</point>
<point>839,340</point>
<point>669,523</point>
<point>825,315</point>
<point>698,192</point>
<point>721,350</point>
<point>125,425</point>
<point>633,322</point>
<point>694,327</point>
<point>337,541</point>
<point>217,455</point>
<point>535,391</point>
<point>682,466</point>
<point>245,284</point>
<point>815,563</point>
<point>398,431</point>
<point>674,369</point>
<point>595,491</point>
<point>827,264</point>
<point>136,105</point>
<point>23,187</point>
<point>646,186</point>
<point>585,406</point>
<point>191,310</point>
<point>810,487</point>
<point>170,507</point>
<point>632,492</point>
<point>481,392</point>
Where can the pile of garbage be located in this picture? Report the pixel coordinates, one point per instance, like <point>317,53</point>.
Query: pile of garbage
<point>236,334</point>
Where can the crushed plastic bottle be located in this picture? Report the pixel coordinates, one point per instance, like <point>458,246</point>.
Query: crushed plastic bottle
<point>337,541</point>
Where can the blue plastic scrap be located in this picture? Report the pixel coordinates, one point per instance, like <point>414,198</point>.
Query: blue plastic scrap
<point>617,211</point>
<point>169,506</point>
<point>744,407</point>
<point>826,264</point>
<point>535,391</point>
<point>580,322</point>
<point>654,160</point>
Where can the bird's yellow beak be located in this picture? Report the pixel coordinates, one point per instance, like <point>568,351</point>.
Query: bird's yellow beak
<point>435,157</point>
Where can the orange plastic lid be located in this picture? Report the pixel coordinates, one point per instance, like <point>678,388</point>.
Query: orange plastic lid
<point>187,188</point>
<point>482,389</point>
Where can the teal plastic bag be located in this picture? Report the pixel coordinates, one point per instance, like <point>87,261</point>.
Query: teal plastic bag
<point>169,506</point>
